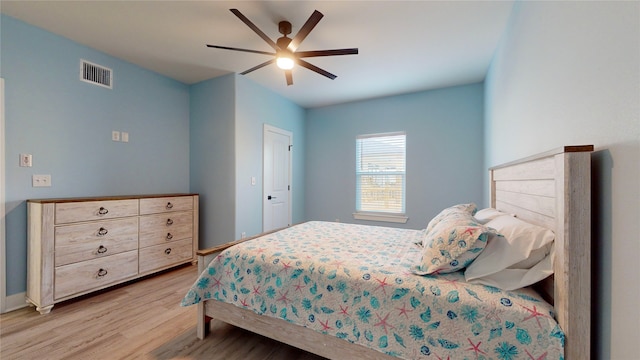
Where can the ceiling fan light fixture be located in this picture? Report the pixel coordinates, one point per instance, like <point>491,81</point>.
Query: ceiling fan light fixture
<point>285,62</point>
<point>286,54</point>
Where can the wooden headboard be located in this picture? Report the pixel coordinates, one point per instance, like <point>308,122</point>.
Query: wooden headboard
<point>553,190</point>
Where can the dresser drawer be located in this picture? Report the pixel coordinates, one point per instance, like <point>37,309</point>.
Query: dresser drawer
<point>162,228</point>
<point>86,241</point>
<point>94,274</point>
<point>94,210</point>
<point>165,204</point>
<point>160,256</point>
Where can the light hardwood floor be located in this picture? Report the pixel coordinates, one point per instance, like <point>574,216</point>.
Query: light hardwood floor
<point>140,320</point>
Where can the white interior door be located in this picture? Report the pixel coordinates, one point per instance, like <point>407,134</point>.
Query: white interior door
<point>276,177</point>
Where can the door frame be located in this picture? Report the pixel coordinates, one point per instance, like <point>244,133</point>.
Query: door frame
<point>270,128</point>
<point>3,248</point>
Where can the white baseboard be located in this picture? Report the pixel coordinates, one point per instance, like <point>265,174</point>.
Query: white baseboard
<point>15,302</point>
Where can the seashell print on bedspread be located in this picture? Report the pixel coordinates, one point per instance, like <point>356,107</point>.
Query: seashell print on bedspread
<point>355,282</point>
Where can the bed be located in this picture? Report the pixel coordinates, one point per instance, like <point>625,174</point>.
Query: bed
<point>282,289</point>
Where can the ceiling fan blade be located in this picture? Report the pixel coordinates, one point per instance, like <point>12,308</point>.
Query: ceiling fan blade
<point>314,53</point>
<point>288,74</point>
<point>258,66</point>
<point>238,49</point>
<point>305,30</point>
<point>255,29</point>
<point>316,69</point>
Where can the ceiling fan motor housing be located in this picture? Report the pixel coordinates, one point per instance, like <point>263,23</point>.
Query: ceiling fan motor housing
<point>284,27</point>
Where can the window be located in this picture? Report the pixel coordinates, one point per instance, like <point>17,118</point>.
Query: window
<point>380,177</point>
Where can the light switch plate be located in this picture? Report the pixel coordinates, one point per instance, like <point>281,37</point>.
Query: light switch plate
<point>115,135</point>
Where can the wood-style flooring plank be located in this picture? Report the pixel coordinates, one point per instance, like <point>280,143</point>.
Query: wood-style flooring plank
<point>140,320</point>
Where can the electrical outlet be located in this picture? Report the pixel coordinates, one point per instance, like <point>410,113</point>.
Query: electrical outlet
<point>243,235</point>
<point>41,180</point>
<point>26,160</point>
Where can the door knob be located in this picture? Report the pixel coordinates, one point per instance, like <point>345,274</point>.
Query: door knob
<point>270,197</point>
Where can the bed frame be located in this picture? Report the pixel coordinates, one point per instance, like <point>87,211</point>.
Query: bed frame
<point>552,189</point>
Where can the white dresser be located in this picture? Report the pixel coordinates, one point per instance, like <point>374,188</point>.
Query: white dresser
<point>80,245</point>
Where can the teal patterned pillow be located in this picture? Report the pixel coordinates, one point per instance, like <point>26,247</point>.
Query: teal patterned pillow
<point>454,211</point>
<point>453,243</point>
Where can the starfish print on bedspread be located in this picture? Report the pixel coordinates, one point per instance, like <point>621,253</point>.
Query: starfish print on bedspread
<point>382,283</point>
<point>404,310</point>
<point>383,322</point>
<point>534,315</point>
<point>343,310</point>
<point>284,298</point>
<point>468,230</point>
<point>325,325</point>
<point>216,282</point>
<point>300,286</point>
<point>286,268</point>
<point>475,348</point>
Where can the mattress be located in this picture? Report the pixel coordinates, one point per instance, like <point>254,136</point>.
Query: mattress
<point>355,282</point>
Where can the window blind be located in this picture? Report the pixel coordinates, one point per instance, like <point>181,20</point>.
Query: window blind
<point>381,173</point>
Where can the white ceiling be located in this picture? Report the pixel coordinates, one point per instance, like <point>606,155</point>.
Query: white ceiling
<point>404,46</point>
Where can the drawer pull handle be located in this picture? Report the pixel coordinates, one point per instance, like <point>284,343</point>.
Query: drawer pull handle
<point>169,205</point>
<point>169,236</point>
<point>102,211</point>
<point>102,273</point>
<point>102,231</point>
<point>169,222</point>
<point>102,250</point>
<point>167,251</point>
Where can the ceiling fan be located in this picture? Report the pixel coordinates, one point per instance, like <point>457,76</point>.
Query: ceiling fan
<point>285,55</point>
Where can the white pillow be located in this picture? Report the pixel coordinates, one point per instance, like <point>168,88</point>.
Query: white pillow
<point>520,255</point>
<point>485,215</point>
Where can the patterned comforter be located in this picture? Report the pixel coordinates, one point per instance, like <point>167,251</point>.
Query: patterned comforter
<point>355,282</point>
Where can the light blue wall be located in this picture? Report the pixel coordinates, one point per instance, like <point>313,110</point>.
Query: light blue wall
<point>212,165</point>
<point>444,151</point>
<point>66,125</point>
<point>227,118</point>
<point>256,106</point>
<point>569,73</point>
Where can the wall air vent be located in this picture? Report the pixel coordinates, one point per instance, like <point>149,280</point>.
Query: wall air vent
<point>96,74</point>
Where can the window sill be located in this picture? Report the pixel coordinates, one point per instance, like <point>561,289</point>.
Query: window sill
<point>381,217</point>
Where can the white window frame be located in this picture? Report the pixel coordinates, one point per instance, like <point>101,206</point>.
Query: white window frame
<point>395,217</point>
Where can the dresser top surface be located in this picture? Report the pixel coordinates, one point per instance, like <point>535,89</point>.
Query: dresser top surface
<point>102,198</point>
